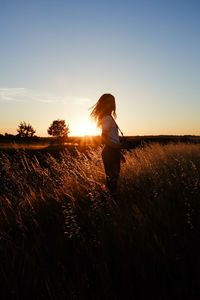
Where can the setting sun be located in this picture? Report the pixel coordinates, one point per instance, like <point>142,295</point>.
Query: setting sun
<point>86,127</point>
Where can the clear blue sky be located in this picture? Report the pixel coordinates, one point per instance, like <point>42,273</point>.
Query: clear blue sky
<point>58,56</point>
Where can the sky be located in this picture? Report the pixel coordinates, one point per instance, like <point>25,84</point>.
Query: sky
<point>57,57</point>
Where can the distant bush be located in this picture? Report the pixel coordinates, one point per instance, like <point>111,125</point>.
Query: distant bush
<point>64,237</point>
<point>59,129</point>
<point>25,130</point>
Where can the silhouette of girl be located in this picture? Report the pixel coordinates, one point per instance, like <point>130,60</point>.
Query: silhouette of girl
<point>104,113</point>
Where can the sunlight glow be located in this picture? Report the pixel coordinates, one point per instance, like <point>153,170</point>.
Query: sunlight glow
<point>85,127</point>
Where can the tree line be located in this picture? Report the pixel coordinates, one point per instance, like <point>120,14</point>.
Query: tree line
<point>58,129</point>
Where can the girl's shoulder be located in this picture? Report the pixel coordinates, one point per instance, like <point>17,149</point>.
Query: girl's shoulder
<point>107,122</point>
<point>107,118</point>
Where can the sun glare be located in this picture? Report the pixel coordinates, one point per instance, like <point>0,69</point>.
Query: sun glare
<point>86,128</point>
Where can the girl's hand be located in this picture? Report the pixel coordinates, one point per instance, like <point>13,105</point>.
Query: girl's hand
<point>122,158</point>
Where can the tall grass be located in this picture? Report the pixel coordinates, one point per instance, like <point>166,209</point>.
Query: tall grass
<point>63,237</point>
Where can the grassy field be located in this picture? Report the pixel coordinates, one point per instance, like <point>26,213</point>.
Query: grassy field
<point>63,237</point>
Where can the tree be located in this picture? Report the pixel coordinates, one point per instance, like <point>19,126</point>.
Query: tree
<point>59,129</point>
<point>25,130</point>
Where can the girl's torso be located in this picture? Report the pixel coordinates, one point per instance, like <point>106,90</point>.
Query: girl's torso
<point>109,127</point>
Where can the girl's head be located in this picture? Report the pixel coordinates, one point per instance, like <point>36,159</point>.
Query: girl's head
<point>104,106</point>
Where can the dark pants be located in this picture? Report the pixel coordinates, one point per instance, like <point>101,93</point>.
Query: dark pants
<point>111,161</point>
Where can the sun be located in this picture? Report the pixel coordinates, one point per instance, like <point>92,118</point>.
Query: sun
<point>85,127</point>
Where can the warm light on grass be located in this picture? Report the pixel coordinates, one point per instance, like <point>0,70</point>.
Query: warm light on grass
<point>64,237</point>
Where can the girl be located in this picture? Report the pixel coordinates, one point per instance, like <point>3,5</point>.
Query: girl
<point>104,112</point>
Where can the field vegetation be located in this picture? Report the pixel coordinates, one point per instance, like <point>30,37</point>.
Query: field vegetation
<point>63,237</point>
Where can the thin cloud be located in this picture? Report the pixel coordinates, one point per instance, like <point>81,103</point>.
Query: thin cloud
<point>12,94</point>
<point>25,95</point>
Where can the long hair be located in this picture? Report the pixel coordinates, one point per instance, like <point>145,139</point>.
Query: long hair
<point>104,106</point>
